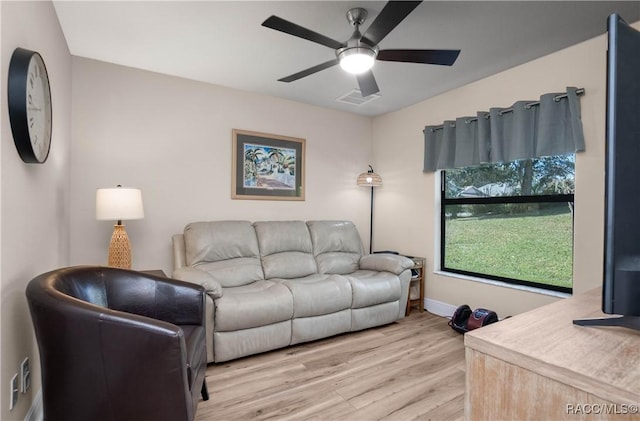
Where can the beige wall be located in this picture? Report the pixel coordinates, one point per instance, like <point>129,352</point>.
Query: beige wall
<point>407,205</point>
<point>171,138</point>
<point>34,229</point>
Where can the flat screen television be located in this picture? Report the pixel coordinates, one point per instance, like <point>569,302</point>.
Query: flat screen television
<point>621,281</point>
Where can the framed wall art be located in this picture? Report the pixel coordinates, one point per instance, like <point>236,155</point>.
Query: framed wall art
<point>267,166</point>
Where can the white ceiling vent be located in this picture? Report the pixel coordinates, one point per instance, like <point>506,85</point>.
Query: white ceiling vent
<point>355,98</point>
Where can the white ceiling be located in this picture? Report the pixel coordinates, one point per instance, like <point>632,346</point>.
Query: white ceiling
<point>223,42</point>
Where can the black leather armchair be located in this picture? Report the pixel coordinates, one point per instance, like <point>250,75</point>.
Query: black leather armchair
<point>118,345</point>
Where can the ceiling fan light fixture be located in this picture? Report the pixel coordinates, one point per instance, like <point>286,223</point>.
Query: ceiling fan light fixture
<point>357,60</point>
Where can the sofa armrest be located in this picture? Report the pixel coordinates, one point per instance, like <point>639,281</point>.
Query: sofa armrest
<point>179,251</point>
<point>199,277</point>
<point>386,262</point>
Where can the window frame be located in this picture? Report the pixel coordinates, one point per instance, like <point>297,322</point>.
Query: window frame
<point>444,201</point>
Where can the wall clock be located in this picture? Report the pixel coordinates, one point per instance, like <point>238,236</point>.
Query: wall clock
<point>29,98</point>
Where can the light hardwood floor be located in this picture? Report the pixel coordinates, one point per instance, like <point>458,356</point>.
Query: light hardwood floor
<point>409,370</point>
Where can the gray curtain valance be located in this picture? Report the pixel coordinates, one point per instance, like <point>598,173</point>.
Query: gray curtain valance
<point>527,129</point>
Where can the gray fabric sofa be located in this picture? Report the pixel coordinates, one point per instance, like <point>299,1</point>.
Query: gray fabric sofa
<point>273,284</point>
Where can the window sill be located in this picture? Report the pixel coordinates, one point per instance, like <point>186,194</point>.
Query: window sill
<point>534,290</point>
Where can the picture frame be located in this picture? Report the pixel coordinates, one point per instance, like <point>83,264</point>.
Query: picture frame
<point>267,166</point>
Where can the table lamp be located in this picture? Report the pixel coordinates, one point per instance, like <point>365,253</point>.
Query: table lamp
<point>370,179</point>
<point>120,204</point>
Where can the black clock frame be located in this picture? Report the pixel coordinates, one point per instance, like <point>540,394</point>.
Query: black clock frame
<point>17,102</point>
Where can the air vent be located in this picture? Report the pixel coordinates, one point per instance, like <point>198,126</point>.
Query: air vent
<point>355,98</point>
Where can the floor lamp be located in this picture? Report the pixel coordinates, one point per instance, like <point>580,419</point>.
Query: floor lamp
<point>370,179</point>
<point>120,204</point>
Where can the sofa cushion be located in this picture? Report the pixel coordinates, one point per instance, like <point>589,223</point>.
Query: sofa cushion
<point>228,250</point>
<point>371,288</point>
<point>319,294</point>
<point>257,304</point>
<point>285,247</point>
<point>240,343</point>
<point>304,329</point>
<point>233,272</point>
<point>381,314</point>
<point>336,246</point>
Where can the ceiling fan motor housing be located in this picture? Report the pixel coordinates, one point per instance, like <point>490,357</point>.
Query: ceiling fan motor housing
<point>355,49</point>
<point>356,16</point>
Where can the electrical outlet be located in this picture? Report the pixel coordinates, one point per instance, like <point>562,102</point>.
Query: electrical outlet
<point>25,375</point>
<point>13,387</point>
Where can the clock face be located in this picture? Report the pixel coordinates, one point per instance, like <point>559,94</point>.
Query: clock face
<point>38,108</point>
<point>29,98</point>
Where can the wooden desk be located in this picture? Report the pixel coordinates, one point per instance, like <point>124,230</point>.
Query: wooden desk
<point>540,366</point>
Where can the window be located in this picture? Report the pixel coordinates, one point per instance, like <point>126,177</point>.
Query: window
<point>510,222</point>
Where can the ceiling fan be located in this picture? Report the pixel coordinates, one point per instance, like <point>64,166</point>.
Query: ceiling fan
<point>359,52</point>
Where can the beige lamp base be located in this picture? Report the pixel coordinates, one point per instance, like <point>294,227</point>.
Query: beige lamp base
<point>119,248</point>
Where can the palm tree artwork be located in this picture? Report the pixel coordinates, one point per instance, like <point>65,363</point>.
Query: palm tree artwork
<point>267,167</point>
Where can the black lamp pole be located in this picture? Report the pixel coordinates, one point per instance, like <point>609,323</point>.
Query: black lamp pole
<point>371,225</point>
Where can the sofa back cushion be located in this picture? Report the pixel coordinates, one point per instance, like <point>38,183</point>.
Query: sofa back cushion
<point>228,250</point>
<point>285,247</point>
<point>336,246</point>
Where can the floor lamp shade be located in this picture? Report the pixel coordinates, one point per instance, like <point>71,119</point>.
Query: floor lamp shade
<point>370,179</point>
<point>119,204</point>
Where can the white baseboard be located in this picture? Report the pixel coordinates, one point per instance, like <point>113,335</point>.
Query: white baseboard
<point>439,308</point>
<point>35,412</point>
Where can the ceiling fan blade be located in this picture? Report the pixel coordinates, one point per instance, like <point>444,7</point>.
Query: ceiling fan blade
<point>442,57</point>
<point>367,83</point>
<point>389,17</point>
<point>291,28</point>
<point>309,71</point>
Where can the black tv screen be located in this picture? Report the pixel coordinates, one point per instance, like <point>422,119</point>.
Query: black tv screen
<point>621,281</point>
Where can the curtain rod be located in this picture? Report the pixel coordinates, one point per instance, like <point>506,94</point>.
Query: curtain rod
<point>557,98</point>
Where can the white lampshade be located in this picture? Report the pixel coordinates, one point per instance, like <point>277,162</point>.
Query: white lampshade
<point>119,203</point>
<point>357,59</point>
<point>369,179</point>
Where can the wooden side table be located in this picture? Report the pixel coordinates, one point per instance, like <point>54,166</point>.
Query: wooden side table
<point>156,272</point>
<point>417,277</point>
